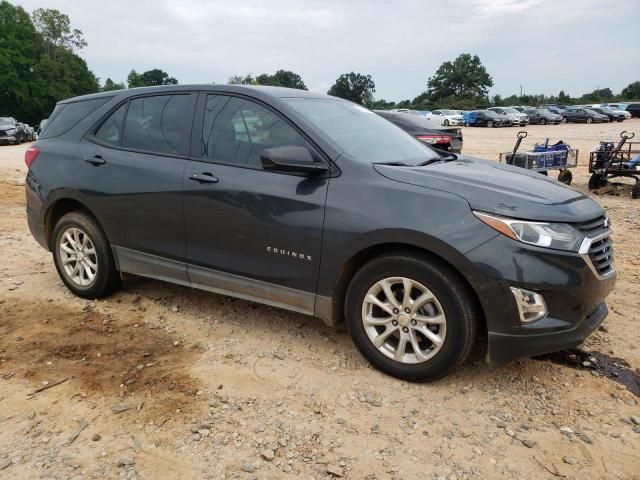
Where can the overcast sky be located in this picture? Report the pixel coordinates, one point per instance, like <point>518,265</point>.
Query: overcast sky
<point>543,45</point>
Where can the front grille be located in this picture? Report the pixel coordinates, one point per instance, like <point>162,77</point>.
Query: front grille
<point>601,250</point>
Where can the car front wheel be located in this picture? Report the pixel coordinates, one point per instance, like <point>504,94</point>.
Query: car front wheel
<point>411,317</point>
<point>589,120</point>
<point>83,257</point>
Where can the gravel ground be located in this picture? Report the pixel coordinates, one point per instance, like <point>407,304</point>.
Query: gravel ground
<point>160,381</point>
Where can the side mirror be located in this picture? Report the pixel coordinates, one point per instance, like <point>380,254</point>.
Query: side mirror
<point>291,159</point>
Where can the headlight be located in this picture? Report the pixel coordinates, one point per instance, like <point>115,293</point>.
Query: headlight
<point>11,131</point>
<point>560,236</point>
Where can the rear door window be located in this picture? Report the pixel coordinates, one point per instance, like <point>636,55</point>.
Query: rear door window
<point>156,123</point>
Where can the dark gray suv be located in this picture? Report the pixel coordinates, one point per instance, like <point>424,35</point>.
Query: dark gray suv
<point>318,205</point>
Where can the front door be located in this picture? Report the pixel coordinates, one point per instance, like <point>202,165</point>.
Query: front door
<point>250,232</point>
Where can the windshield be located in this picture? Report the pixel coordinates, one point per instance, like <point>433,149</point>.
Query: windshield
<point>360,133</point>
<point>448,112</point>
<point>511,110</point>
<point>490,113</point>
<point>6,121</point>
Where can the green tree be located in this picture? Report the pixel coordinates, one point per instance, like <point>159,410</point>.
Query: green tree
<point>631,91</point>
<point>356,87</point>
<point>56,32</point>
<point>134,79</point>
<point>155,77</point>
<point>464,78</point>
<point>34,73</point>
<point>240,80</point>
<point>110,85</point>
<point>282,78</point>
<point>563,98</point>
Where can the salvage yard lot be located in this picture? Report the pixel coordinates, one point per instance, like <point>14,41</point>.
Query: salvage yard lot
<point>161,381</point>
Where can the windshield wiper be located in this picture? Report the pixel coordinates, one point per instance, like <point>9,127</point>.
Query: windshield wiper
<point>393,164</point>
<point>444,157</point>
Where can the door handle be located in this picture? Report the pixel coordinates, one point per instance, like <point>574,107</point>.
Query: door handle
<point>204,177</point>
<point>95,160</point>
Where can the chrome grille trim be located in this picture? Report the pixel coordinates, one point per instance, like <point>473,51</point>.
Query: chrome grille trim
<point>597,247</point>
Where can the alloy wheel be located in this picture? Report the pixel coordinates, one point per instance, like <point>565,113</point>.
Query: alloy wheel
<point>78,256</point>
<point>404,320</point>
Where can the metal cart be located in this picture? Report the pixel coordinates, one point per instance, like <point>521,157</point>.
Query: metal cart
<point>542,162</point>
<point>610,160</point>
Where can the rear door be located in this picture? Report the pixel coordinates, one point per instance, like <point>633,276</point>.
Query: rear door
<point>251,232</point>
<point>131,172</point>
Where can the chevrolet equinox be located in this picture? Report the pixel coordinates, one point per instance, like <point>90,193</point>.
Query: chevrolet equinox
<point>318,205</point>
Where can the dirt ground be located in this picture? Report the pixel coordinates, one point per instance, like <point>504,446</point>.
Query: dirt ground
<point>160,381</point>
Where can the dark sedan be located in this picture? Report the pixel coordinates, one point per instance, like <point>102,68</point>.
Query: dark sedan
<point>542,116</point>
<point>443,138</point>
<point>613,115</point>
<point>488,118</point>
<point>583,115</point>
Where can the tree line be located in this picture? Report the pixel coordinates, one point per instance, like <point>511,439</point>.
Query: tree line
<point>39,66</point>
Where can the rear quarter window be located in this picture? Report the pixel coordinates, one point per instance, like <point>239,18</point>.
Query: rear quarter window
<point>67,115</point>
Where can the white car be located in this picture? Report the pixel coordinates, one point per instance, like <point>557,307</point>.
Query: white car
<point>445,117</point>
<point>516,117</point>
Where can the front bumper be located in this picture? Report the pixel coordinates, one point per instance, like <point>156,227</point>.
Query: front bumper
<point>573,295</point>
<point>9,139</point>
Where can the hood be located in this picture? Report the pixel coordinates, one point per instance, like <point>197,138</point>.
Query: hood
<point>500,189</point>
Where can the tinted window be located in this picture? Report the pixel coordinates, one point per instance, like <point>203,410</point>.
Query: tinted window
<point>155,124</point>
<point>235,131</point>
<point>360,133</point>
<point>110,131</point>
<point>67,115</point>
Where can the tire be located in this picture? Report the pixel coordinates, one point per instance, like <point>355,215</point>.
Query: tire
<point>451,300</point>
<point>589,120</point>
<point>565,176</point>
<point>565,120</point>
<point>78,228</point>
<point>490,124</point>
<point>446,123</point>
<point>543,121</point>
<point>635,191</point>
<point>620,120</point>
<point>596,181</point>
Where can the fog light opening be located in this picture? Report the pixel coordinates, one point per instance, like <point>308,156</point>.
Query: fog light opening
<point>531,305</point>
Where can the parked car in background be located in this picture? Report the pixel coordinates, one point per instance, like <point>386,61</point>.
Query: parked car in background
<point>634,109</point>
<point>522,108</point>
<point>556,110</point>
<point>8,131</point>
<point>445,117</point>
<point>329,211</point>
<point>583,115</point>
<point>542,116</point>
<point>448,139</point>
<point>41,125</point>
<point>23,133</point>
<point>487,118</point>
<point>516,117</point>
<point>613,115</point>
<point>617,106</point>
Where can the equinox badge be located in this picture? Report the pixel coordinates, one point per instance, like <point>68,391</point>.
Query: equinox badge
<point>289,253</point>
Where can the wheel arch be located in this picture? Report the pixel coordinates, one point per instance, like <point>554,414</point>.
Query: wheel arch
<point>334,315</point>
<point>58,209</point>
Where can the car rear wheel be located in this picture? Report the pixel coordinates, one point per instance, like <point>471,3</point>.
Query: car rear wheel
<point>589,120</point>
<point>490,124</point>
<point>564,120</point>
<point>83,257</point>
<point>410,317</point>
<point>543,121</point>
